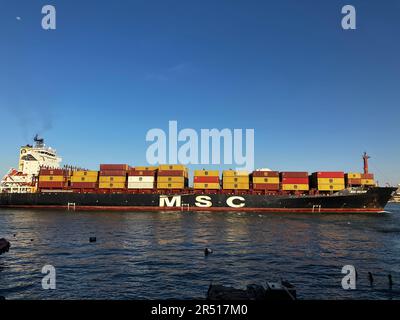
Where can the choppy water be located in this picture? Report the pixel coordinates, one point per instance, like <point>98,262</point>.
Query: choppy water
<point>160,255</point>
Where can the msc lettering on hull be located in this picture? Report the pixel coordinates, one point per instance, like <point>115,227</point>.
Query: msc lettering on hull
<point>174,201</point>
<point>201,201</point>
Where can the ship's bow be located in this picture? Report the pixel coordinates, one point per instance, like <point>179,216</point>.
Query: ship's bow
<point>382,195</point>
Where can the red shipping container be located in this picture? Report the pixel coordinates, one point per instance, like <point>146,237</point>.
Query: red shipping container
<point>266,186</point>
<point>295,180</point>
<point>83,185</point>
<point>147,173</point>
<point>171,173</point>
<point>120,167</point>
<point>47,184</point>
<point>329,174</point>
<point>52,172</point>
<point>271,174</point>
<point>112,173</point>
<point>203,179</point>
<point>354,181</point>
<point>367,176</point>
<point>294,174</point>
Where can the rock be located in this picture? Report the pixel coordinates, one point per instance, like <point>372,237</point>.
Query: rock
<point>219,292</point>
<point>275,291</point>
<point>4,245</point>
<point>256,291</point>
<point>280,291</point>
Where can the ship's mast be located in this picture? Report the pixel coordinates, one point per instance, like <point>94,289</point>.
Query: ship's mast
<point>365,158</point>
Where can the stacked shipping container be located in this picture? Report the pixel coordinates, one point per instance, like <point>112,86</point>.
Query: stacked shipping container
<point>142,178</point>
<point>52,178</point>
<point>353,179</point>
<point>265,180</point>
<point>294,181</point>
<point>235,180</point>
<point>367,179</point>
<point>328,181</point>
<point>172,177</point>
<point>112,176</point>
<point>84,179</point>
<point>150,168</point>
<point>206,179</point>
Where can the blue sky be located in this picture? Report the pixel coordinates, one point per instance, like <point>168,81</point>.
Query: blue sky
<point>316,95</point>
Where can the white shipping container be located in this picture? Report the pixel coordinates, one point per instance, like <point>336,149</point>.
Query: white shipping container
<point>140,185</point>
<point>146,179</point>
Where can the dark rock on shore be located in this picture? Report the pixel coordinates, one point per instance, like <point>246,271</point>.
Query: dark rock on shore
<point>273,291</point>
<point>4,246</point>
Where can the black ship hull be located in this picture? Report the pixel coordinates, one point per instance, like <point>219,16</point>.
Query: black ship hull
<point>371,200</point>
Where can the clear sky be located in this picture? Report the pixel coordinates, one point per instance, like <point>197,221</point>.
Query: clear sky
<point>316,95</point>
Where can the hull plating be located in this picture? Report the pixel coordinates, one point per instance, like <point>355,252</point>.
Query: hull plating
<point>374,200</point>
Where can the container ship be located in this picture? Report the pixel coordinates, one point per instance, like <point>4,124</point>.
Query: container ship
<point>40,182</point>
<point>396,196</point>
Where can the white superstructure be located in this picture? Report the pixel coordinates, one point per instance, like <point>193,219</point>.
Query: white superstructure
<point>31,158</point>
<point>396,196</point>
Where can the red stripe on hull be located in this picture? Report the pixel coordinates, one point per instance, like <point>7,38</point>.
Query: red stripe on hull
<point>155,208</point>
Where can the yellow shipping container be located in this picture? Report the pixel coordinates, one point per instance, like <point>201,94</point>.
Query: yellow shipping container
<point>265,180</point>
<point>206,173</point>
<point>331,187</point>
<point>145,168</point>
<point>172,167</point>
<point>85,173</point>
<point>116,179</point>
<point>234,173</point>
<point>51,178</point>
<point>354,175</point>
<point>239,179</point>
<point>172,185</point>
<point>116,185</point>
<point>368,182</point>
<point>84,179</point>
<point>171,179</point>
<point>330,181</point>
<point>236,186</point>
<point>206,186</point>
<point>294,187</point>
